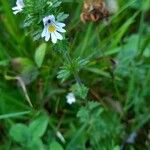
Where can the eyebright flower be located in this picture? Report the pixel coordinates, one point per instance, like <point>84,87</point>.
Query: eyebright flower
<point>52,29</point>
<point>19,7</point>
<point>70,98</point>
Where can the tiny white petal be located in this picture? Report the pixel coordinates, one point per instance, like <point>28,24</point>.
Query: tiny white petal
<point>15,8</point>
<point>20,3</point>
<point>58,35</point>
<point>16,12</point>
<point>59,24</point>
<point>47,36</point>
<point>52,17</point>
<point>19,7</point>
<point>61,29</point>
<point>54,38</point>
<point>70,98</point>
<point>44,32</point>
<point>45,19</point>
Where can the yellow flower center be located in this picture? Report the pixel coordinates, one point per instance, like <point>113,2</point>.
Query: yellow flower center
<point>51,28</point>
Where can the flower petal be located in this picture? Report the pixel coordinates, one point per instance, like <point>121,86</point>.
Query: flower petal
<point>61,29</point>
<point>54,38</point>
<point>47,36</point>
<point>44,32</point>
<point>20,3</point>
<point>16,12</point>
<point>52,17</point>
<point>15,8</point>
<point>45,20</point>
<point>59,24</point>
<point>58,35</point>
<point>70,98</point>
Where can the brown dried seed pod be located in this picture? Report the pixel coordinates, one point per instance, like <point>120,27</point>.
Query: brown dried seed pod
<point>94,10</point>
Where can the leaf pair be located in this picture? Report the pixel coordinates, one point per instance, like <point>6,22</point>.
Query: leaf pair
<point>29,136</point>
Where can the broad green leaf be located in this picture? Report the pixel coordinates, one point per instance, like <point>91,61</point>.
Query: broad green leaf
<point>62,16</point>
<point>38,126</point>
<point>55,146</point>
<point>40,54</point>
<point>20,133</point>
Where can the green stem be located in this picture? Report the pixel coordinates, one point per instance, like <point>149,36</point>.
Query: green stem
<point>140,34</point>
<point>75,72</point>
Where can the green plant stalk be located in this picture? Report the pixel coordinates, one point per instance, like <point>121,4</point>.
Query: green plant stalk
<point>128,103</point>
<point>140,34</point>
<point>75,72</point>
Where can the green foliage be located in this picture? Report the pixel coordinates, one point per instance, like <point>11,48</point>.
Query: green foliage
<point>105,64</point>
<point>80,90</point>
<point>29,137</point>
<point>71,67</point>
<point>101,125</point>
<point>62,16</point>
<point>127,55</point>
<point>35,11</point>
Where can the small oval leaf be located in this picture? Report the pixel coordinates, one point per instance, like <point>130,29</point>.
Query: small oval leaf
<point>40,54</point>
<point>38,126</point>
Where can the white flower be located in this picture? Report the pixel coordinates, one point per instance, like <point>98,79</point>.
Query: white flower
<point>52,29</point>
<point>70,98</point>
<point>19,7</point>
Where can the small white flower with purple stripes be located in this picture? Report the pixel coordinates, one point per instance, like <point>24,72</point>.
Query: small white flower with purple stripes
<point>52,29</point>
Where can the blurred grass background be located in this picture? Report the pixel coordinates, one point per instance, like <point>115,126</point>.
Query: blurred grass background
<point>118,76</point>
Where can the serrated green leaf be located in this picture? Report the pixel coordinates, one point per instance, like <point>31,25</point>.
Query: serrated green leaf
<point>80,90</point>
<point>56,3</point>
<point>62,16</point>
<point>40,54</point>
<point>83,114</point>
